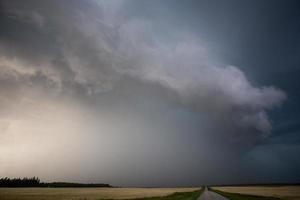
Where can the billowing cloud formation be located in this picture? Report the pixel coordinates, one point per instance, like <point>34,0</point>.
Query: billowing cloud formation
<point>93,56</point>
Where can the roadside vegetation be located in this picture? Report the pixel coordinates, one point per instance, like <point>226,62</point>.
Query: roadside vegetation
<point>237,196</point>
<point>177,196</point>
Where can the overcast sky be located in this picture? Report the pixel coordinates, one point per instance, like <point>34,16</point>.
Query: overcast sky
<point>150,93</point>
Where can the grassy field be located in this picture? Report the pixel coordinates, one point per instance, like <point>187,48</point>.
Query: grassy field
<point>237,196</point>
<point>177,196</point>
<point>282,192</point>
<point>98,193</point>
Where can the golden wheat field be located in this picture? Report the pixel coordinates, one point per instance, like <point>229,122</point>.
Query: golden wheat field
<point>85,193</point>
<point>283,192</point>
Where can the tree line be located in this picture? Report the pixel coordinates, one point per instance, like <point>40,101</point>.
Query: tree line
<point>35,182</point>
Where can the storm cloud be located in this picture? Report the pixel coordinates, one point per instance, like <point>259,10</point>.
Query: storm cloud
<point>88,79</point>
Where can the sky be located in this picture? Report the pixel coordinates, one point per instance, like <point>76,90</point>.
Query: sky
<point>150,93</point>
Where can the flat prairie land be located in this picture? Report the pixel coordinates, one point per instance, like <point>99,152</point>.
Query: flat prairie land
<point>86,193</point>
<point>282,192</point>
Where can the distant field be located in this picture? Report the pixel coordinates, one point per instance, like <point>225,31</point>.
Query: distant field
<point>86,193</point>
<point>282,192</point>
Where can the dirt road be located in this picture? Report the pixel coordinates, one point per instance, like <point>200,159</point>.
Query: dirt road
<point>209,195</point>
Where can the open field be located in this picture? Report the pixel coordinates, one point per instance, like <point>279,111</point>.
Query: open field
<point>88,193</point>
<point>282,192</point>
<point>177,196</point>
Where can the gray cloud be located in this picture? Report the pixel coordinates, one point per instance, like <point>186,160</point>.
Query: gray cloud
<point>92,55</point>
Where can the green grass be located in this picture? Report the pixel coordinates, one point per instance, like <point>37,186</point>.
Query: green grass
<point>177,196</point>
<point>236,196</point>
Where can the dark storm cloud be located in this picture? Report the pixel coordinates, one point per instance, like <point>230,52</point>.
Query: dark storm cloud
<point>103,59</point>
